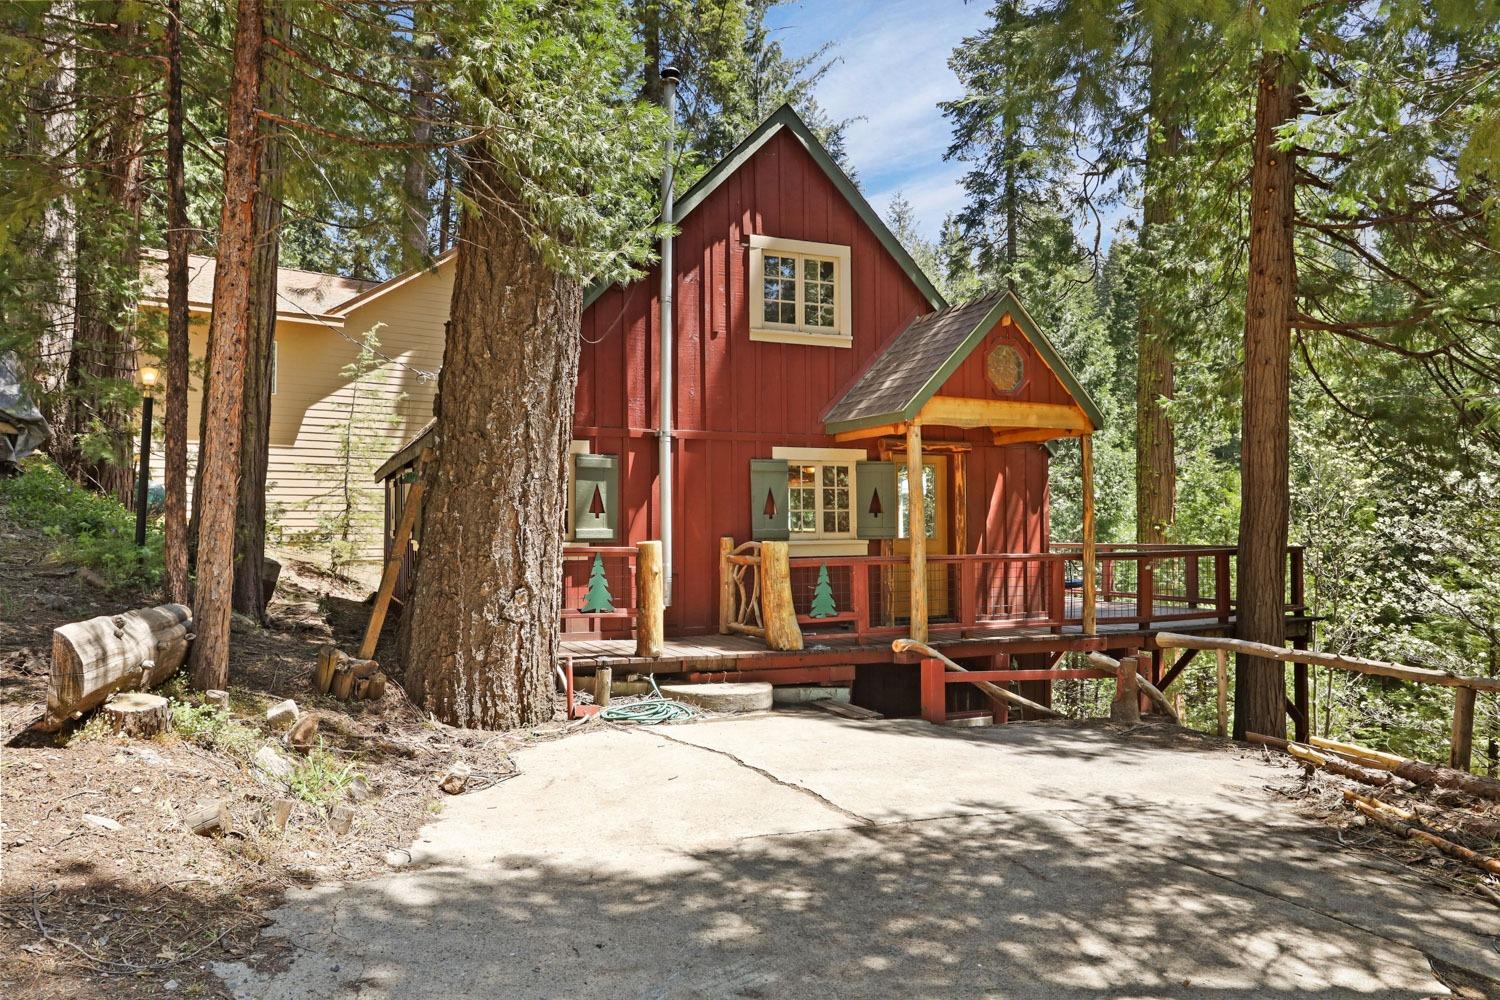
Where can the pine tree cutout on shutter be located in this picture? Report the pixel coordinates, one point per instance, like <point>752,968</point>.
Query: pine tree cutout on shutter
<point>823,605</point>
<point>769,510</point>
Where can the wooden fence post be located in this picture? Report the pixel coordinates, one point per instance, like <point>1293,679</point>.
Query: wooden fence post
<point>1461,750</point>
<point>776,607</point>
<point>726,585</point>
<point>1127,704</point>
<point>650,607</point>
<point>1221,674</point>
<point>934,692</point>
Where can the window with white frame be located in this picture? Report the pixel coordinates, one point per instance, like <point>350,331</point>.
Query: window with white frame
<point>820,492</point>
<point>799,292</point>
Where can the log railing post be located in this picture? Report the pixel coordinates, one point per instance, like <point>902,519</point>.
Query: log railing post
<point>1057,590</point>
<point>1461,749</point>
<point>916,534</point>
<point>1127,704</point>
<point>650,602</point>
<point>1090,622</point>
<point>1301,698</point>
<point>726,585</point>
<point>968,583</point>
<point>1221,676</point>
<point>776,607</point>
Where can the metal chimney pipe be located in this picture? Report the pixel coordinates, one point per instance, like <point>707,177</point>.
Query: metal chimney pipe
<point>666,382</point>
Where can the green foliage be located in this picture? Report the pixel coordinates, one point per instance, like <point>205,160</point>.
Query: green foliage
<point>212,728</point>
<point>320,778</point>
<point>90,530</point>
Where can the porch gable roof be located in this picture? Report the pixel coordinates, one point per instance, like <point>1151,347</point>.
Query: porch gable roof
<point>901,379</point>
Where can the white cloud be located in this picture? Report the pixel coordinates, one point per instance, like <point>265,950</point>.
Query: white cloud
<point>893,72</point>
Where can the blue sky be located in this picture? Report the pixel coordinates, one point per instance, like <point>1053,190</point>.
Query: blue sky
<point>892,72</point>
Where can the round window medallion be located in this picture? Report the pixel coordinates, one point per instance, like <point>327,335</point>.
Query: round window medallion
<point>1003,368</point>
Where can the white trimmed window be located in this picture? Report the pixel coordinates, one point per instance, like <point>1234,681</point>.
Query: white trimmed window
<point>820,497</point>
<point>799,292</point>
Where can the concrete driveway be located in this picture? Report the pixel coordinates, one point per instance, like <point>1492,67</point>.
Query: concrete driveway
<point>802,855</point>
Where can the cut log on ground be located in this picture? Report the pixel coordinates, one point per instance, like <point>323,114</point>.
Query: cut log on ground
<point>209,818</point>
<point>456,779</point>
<point>281,812</point>
<point>91,660</point>
<point>282,715</point>
<point>137,714</point>
<point>218,699</point>
<point>993,690</point>
<point>1326,762</point>
<point>322,677</point>
<point>1416,771</point>
<point>1448,847</point>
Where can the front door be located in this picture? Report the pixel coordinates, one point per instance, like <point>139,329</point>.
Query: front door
<point>939,535</point>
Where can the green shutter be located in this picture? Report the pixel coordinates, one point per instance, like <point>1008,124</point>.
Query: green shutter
<point>877,507</point>
<point>769,518</point>
<point>596,497</point>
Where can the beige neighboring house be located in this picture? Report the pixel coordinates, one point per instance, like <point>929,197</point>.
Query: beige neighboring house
<point>321,320</point>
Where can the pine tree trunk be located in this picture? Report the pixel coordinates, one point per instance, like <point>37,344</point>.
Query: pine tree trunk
<point>175,419</point>
<point>1155,443</point>
<point>480,635</point>
<point>416,179</point>
<point>103,357</point>
<point>59,235</point>
<point>255,422</point>
<point>1260,685</point>
<point>219,457</point>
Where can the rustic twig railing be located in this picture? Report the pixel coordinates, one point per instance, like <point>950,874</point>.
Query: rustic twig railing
<point>1461,744</point>
<point>755,593</point>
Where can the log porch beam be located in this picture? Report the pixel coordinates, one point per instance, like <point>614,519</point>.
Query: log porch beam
<point>916,533</point>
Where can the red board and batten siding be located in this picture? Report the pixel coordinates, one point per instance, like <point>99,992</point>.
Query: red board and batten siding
<point>737,399</point>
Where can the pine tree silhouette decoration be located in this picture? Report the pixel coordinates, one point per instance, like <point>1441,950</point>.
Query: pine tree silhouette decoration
<point>598,600</point>
<point>822,605</point>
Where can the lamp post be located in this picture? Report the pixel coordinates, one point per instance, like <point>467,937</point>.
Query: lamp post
<point>149,377</point>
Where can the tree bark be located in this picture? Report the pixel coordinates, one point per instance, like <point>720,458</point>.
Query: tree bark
<point>255,421</point>
<point>416,179</point>
<point>103,357</point>
<point>219,458</point>
<point>1155,443</point>
<point>175,419</point>
<point>1260,685</point>
<point>59,236</point>
<point>480,635</point>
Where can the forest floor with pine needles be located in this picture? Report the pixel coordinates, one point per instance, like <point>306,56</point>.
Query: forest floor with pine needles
<point>105,891</point>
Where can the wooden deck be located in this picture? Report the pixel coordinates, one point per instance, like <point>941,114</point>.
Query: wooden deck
<point>731,653</point>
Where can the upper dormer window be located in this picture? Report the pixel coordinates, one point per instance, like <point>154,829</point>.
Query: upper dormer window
<point>799,292</point>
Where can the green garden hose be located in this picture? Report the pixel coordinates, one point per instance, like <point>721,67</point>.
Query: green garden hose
<point>651,711</point>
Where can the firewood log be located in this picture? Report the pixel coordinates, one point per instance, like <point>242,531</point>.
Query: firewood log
<point>209,818</point>
<point>93,659</point>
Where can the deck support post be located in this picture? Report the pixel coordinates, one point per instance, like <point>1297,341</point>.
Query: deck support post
<point>1461,749</point>
<point>916,532</point>
<point>650,604</point>
<point>1221,677</point>
<point>934,692</point>
<point>1090,623</point>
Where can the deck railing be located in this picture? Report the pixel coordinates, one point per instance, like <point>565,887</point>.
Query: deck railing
<point>599,591</point>
<point>1138,585</point>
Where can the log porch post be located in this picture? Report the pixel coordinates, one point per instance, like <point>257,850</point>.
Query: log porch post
<point>916,532</point>
<point>1090,623</point>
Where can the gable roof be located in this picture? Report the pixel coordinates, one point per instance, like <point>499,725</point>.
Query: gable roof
<point>375,290</point>
<point>299,294</point>
<point>786,118</point>
<point>897,383</point>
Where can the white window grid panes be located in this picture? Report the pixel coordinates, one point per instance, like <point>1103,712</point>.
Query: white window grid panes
<point>819,288</point>
<point>780,289</point>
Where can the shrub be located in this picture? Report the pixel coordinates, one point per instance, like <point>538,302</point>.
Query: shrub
<point>90,530</point>
<point>213,728</point>
<point>320,779</point>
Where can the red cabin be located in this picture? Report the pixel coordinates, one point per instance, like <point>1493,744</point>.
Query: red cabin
<point>815,372</point>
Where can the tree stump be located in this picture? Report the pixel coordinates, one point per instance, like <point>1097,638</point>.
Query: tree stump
<point>209,818</point>
<point>137,714</point>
